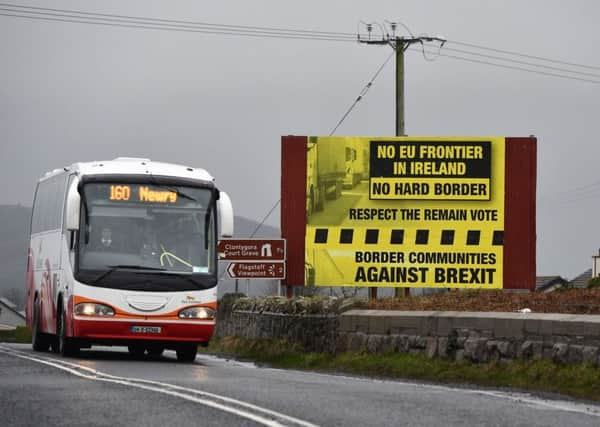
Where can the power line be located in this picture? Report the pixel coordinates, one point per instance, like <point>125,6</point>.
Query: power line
<point>177,29</point>
<point>363,92</point>
<point>178,22</point>
<point>343,35</point>
<point>265,218</point>
<point>523,55</point>
<point>499,58</point>
<point>128,21</point>
<point>360,96</point>
<point>511,67</point>
<point>171,25</point>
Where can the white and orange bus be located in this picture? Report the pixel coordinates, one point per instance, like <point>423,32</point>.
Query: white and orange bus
<point>123,252</point>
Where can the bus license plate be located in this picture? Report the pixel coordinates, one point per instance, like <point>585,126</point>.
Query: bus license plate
<point>146,329</point>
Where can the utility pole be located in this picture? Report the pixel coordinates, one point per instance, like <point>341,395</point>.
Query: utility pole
<point>399,115</point>
<point>399,87</point>
<point>399,44</point>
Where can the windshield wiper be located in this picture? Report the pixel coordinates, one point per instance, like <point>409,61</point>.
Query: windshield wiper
<point>113,268</point>
<point>199,284</point>
<point>174,190</point>
<point>180,193</point>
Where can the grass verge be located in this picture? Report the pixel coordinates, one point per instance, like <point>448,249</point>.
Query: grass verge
<point>20,335</point>
<point>579,381</point>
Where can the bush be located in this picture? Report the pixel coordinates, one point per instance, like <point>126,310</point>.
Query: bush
<point>23,334</point>
<point>299,305</point>
<point>594,282</point>
<point>20,335</point>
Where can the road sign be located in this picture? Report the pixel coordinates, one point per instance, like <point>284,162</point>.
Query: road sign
<point>252,249</point>
<point>256,270</point>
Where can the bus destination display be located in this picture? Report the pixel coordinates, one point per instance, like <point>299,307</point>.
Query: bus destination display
<point>140,193</point>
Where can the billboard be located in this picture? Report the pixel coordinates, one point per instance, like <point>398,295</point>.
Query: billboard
<point>405,212</point>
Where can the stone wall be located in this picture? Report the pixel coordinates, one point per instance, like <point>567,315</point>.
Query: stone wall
<point>313,332</point>
<point>479,337</point>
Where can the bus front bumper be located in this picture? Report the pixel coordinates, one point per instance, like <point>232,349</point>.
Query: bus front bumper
<point>131,329</point>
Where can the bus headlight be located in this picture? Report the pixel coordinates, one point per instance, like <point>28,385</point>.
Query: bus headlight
<point>203,313</point>
<point>93,309</point>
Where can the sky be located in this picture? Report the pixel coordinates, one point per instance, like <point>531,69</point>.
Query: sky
<point>78,92</point>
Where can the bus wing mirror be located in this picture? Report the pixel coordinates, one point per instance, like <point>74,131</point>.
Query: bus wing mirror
<point>73,206</point>
<point>225,214</point>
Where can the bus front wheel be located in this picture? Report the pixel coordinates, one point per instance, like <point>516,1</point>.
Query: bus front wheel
<point>136,351</point>
<point>66,346</point>
<point>155,350</point>
<point>187,352</point>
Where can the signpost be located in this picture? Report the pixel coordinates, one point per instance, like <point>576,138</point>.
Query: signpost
<point>261,258</point>
<point>252,249</point>
<point>256,270</point>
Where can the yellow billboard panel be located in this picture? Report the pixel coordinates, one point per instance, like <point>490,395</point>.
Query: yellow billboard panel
<point>405,212</point>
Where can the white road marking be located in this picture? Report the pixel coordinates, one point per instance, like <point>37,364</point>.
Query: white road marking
<point>557,405</point>
<point>228,361</point>
<point>522,398</point>
<point>518,397</point>
<point>278,419</point>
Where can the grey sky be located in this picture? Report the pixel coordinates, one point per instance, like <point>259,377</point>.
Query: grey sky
<point>71,92</point>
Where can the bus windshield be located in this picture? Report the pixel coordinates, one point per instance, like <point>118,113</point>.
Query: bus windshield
<point>147,237</point>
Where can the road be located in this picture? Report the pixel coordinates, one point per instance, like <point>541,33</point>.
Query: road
<point>105,387</point>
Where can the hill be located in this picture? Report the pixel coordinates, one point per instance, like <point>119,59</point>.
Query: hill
<point>14,237</point>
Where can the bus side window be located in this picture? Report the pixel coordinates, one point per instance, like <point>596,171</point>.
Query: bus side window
<point>57,191</point>
<point>48,203</point>
<point>41,208</point>
<point>64,204</point>
<point>35,215</point>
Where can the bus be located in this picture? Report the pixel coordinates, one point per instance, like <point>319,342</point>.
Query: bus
<point>124,253</point>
